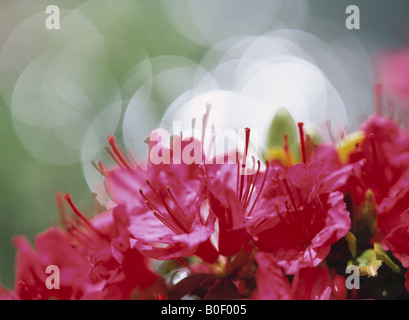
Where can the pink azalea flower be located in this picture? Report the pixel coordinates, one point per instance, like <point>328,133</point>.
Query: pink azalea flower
<point>114,262</point>
<point>163,203</point>
<point>261,233</point>
<point>233,198</point>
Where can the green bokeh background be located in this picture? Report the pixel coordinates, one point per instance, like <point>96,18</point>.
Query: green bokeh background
<point>27,186</point>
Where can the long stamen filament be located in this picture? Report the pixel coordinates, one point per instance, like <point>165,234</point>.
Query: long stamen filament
<point>261,189</point>
<point>302,142</point>
<point>117,152</point>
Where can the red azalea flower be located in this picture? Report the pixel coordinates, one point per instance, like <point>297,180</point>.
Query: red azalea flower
<point>232,199</point>
<point>114,262</point>
<point>53,247</point>
<point>233,191</point>
<point>385,151</point>
<point>307,215</point>
<point>384,154</point>
<point>167,215</point>
<point>272,284</point>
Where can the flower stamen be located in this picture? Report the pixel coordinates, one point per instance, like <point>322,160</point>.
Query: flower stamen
<point>116,153</point>
<point>261,189</point>
<point>179,222</point>
<point>302,142</point>
<point>80,215</point>
<point>380,177</point>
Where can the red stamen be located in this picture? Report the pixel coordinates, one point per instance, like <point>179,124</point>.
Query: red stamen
<point>147,202</point>
<point>165,222</point>
<point>282,218</point>
<point>247,130</point>
<point>289,215</point>
<point>250,184</point>
<point>168,209</point>
<point>75,209</point>
<point>228,217</point>
<point>238,174</point>
<point>302,142</point>
<point>83,237</point>
<point>290,194</point>
<point>175,201</point>
<point>243,165</point>
<point>59,200</point>
<point>79,214</point>
<point>380,176</point>
<point>261,189</point>
<point>178,222</point>
<point>100,168</point>
<point>293,216</point>
<point>121,159</point>
<point>295,223</point>
<point>113,156</point>
<point>297,210</point>
<point>158,214</point>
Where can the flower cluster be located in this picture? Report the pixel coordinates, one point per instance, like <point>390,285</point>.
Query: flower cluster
<point>281,228</point>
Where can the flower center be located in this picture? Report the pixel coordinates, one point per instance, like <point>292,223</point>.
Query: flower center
<point>294,216</point>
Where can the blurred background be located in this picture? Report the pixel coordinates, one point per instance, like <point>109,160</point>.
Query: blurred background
<point>125,67</point>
